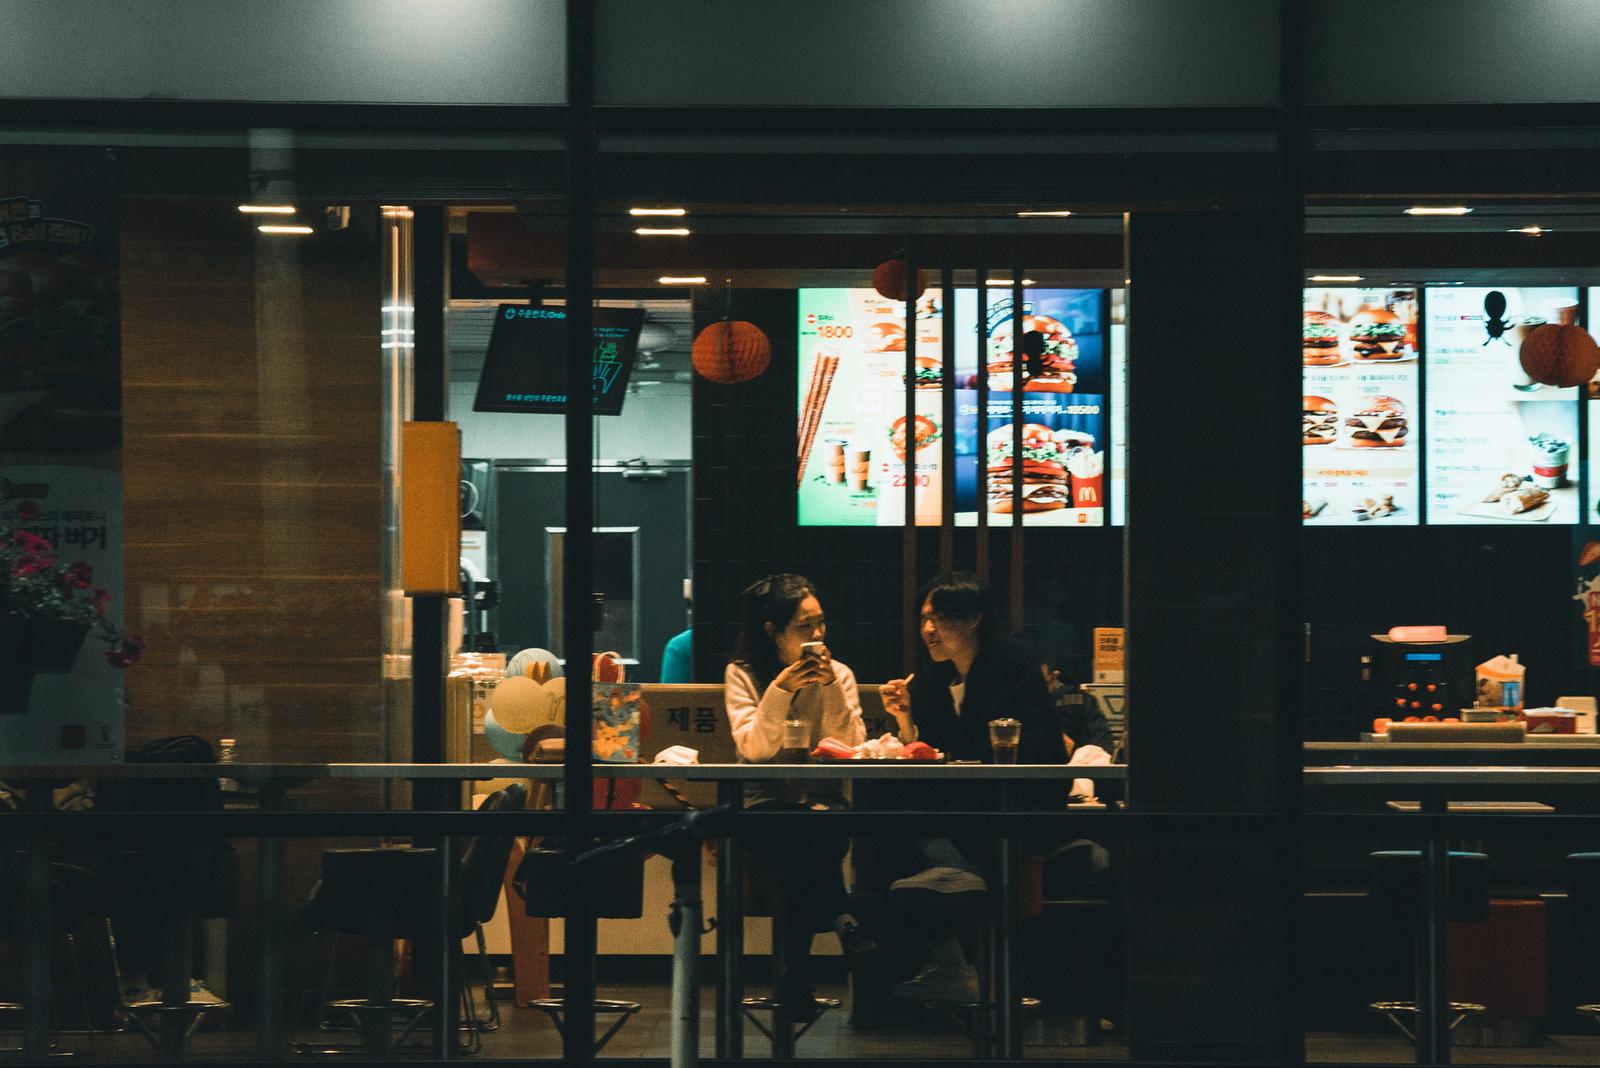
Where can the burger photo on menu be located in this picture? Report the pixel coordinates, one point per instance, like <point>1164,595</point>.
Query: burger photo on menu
<point>1044,472</point>
<point>926,433</point>
<point>1048,348</point>
<point>929,373</point>
<point>1377,334</point>
<point>1319,420</point>
<point>1379,424</point>
<point>1319,340</point>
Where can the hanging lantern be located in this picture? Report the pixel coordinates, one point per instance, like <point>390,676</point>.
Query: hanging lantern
<point>731,351</point>
<point>889,279</point>
<point>1559,355</point>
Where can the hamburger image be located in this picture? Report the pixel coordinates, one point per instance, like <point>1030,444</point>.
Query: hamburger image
<point>925,433</point>
<point>1044,472</point>
<point>1377,334</point>
<point>1380,424</point>
<point>930,373</point>
<point>1048,349</point>
<point>1319,420</point>
<point>1319,339</point>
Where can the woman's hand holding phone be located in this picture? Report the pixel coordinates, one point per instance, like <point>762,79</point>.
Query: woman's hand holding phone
<point>813,668</point>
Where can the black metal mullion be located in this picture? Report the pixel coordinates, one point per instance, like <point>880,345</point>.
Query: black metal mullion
<point>908,544</point>
<point>1288,531</point>
<point>578,548</point>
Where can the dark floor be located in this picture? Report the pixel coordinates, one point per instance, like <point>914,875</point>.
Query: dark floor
<point>526,1034</point>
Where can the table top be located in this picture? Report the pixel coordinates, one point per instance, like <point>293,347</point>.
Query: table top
<point>1477,775</point>
<point>293,773</point>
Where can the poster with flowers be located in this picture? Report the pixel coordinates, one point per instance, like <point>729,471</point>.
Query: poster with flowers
<point>63,653</point>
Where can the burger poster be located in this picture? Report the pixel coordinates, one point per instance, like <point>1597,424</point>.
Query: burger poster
<point>1360,448</point>
<point>1066,423</point>
<point>1501,447</point>
<point>853,447</point>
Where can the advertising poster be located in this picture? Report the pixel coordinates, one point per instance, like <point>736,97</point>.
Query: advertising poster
<point>1360,446</point>
<point>1066,422</point>
<point>61,678</point>
<point>1501,448</point>
<point>853,440</point>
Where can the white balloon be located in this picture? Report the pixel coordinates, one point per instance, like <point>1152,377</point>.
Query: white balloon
<point>519,704</point>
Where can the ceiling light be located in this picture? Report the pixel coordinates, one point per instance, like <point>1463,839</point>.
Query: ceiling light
<point>1043,214</point>
<point>267,209</point>
<point>1531,231</point>
<point>1006,282</point>
<point>675,212</point>
<point>682,280</point>
<point>286,229</point>
<point>1336,278</point>
<point>656,231</point>
<point>1439,211</point>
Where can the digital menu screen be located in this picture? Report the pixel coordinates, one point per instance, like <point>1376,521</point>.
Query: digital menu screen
<point>1359,443</point>
<point>1501,447</point>
<point>524,369</point>
<point>853,442</point>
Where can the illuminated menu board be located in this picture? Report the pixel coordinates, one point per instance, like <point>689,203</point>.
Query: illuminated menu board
<point>852,382</point>
<point>1359,442</point>
<point>1501,448</point>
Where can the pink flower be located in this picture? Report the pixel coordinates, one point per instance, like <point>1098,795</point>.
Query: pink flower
<point>100,601</point>
<point>78,575</point>
<point>129,652</point>
<point>32,566</point>
<point>28,510</point>
<point>29,542</point>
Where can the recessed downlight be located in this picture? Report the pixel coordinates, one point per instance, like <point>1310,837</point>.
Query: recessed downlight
<point>671,212</point>
<point>1424,210</point>
<point>266,209</point>
<point>268,228</point>
<point>682,280</point>
<point>662,231</point>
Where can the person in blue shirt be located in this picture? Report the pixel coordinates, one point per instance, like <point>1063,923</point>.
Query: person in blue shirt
<point>677,658</point>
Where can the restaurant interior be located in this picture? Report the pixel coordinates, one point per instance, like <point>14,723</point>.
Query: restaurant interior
<point>304,530</point>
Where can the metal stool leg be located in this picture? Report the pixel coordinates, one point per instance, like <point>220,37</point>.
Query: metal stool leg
<point>492,1022</point>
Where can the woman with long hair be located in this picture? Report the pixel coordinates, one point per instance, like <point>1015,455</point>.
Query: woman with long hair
<point>780,671</point>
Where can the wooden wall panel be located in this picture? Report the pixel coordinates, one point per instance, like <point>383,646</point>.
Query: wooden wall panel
<point>253,420</point>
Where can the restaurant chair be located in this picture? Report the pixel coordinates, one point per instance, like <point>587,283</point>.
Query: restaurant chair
<point>541,882</point>
<point>1583,906</point>
<point>1396,894</point>
<point>76,896</point>
<point>388,893</point>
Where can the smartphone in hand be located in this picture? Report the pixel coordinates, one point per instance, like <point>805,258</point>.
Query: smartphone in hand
<point>812,650</point>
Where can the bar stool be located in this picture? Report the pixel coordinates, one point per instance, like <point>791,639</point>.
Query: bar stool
<point>541,881</point>
<point>1397,891</point>
<point>389,893</point>
<point>764,896</point>
<point>76,895</point>
<point>1583,898</point>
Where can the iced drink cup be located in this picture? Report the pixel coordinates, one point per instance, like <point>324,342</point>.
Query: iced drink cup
<point>1005,735</point>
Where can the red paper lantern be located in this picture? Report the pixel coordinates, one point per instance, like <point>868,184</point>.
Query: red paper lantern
<point>889,279</point>
<point>731,351</point>
<point>1559,355</point>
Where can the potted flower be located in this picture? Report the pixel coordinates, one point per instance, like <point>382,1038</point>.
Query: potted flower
<point>47,609</point>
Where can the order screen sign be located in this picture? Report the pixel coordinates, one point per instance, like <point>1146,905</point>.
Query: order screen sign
<point>524,369</point>
<point>1358,427</point>
<point>1501,447</point>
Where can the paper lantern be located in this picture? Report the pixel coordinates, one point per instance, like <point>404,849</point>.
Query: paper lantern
<point>1559,355</point>
<point>889,279</point>
<point>731,351</point>
<point>540,665</point>
<point>502,741</point>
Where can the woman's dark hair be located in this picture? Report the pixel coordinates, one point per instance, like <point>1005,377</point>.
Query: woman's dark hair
<point>774,600</point>
<point>959,595</point>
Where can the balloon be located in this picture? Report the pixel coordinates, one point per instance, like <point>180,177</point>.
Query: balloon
<point>538,664</point>
<point>519,704</point>
<point>502,741</point>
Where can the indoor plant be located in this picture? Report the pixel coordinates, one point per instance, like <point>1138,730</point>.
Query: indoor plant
<point>47,609</point>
